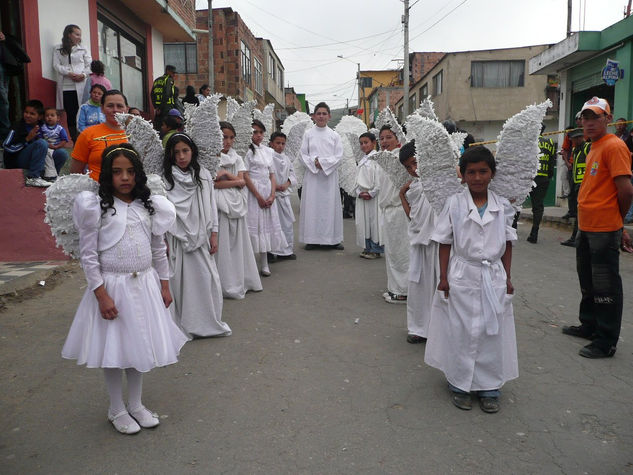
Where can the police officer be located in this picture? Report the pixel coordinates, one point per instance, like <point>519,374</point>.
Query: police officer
<point>542,179</point>
<point>580,150</point>
<point>163,95</point>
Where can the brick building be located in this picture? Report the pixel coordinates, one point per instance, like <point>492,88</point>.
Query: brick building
<point>292,101</point>
<point>421,63</point>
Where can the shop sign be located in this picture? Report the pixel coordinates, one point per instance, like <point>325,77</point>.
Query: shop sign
<point>612,72</point>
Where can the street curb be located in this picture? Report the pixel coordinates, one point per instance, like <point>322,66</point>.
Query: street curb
<point>14,286</point>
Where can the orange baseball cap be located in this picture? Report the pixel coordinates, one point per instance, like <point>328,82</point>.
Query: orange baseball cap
<point>597,106</point>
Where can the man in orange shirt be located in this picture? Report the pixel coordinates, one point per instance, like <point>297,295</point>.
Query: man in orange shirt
<point>604,198</point>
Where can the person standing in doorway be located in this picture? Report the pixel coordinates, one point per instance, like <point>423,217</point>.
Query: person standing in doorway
<point>164,95</point>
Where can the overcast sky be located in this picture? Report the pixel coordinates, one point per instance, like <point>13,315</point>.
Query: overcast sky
<point>309,35</point>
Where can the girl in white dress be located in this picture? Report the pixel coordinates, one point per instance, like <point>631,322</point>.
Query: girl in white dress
<point>193,240</point>
<point>235,258</point>
<point>263,220</point>
<point>367,190</point>
<point>122,321</point>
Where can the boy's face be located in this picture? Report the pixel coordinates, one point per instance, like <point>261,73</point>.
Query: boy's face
<point>321,117</point>
<point>411,164</point>
<point>477,176</point>
<point>388,140</point>
<point>50,117</point>
<point>279,144</point>
<point>367,145</point>
<point>31,115</point>
<point>95,95</point>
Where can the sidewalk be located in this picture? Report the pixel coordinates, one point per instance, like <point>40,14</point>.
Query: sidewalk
<point>553,216</point>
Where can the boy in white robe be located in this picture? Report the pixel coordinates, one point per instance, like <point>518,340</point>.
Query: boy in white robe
<point>285,178</point>
<point>471,333</point>
<point>423,252</point>
<point>321,213</point>
<point>367,211</point>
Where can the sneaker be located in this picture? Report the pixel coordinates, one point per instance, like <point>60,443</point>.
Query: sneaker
<point>377,255</point>
<point>37,182</point>
<point>578,331</point>
<point>367,255</point>
<point>338,247</point>
<point>394,298</point>
<point>489,404</point>
<point>594,352</point>
<point>463,401</point>
<point>414,339</point>
<point>50,178</point>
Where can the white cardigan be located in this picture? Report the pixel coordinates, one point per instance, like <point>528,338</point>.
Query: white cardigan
<point>80,60</point>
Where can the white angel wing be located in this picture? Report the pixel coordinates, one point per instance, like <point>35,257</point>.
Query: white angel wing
<point>389,162</point>
<point>156,184</point>
<point>242,122</point>
<point>268,118</point>
<point>386,117</point>
<point>145,140</point>
<point>294,119</point>
<point>517,154</point>
<point>347,169</point>
<point>189,110</point>
<point>458,140</point>
<point>436,156</point>
<point>293,147</point>
<point>349,123</point>
<point>231,108</point>
<point>60,197</point>
<point>355,144</point>
<point>204,129</point>
<point>426,109</point>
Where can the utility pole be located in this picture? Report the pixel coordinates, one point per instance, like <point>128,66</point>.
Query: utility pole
<point>211,66</point>
<point>569,18</point>
<point>405,68</point>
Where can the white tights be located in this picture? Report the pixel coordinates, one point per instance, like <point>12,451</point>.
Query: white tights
<point>114,384</point>
<point>263,261</point>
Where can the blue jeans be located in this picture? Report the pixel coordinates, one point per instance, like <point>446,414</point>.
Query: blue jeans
<point>371,246</point>
<point>59,157</point>
<point>5,123</point>
<point>33,158</point>
<point>598,267</point>
<point>489,393</point>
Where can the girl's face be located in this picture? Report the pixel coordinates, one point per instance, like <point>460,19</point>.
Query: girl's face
<point>411,164</point>
<point>228,137</point>
<point>388,140</point>
<point>477,176</point>
<point>366,145</point>
<point>206,91</point>
<point>258,135</point>
<point>95,95</point>
<point>123,177</point>
<point>182,155</point>
<point>113,104</point>
<point>75,36</point>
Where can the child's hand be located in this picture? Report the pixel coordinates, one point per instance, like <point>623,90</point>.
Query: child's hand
<point>261,202</point>
<point>317,164</point>
<point>33,133</point>
<point>213,243</point>
<point>405,188</point>
<point>443,285</point>
<point>165,293</point>
<point>106,305</point>
<point>364,195</point>
<point>270,200</point>
<point>240,183</point>
<point>510,287</point>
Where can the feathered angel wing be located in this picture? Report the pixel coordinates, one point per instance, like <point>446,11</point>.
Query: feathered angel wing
<point>204,129</point>
<point>60,197</point>
<point>349,123</point>
<point>389,162</point>
<point>458,140</point>
<point>242,120</point>
<point>268,118</point>
<point>294,119</point>
<point>189,110</point>
<point>347,168</point>
<point>293,147</point>
<point>355,144</point>
<point>386,117</point>
<point>426,109</point>
<point>145,140</point>
<point>517,154</point>
<point>436,156</point>
<point>231,108</point>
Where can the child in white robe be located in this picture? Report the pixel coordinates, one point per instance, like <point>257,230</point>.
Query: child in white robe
<point>393,228</point>
<point>367,212</point>
<point>122,322</point>
<point>263,220</point>
<point>235,258</point>
<point>423,252</point>
<point>471,334</point>
<point>285,178</point>
<point>193,240</point>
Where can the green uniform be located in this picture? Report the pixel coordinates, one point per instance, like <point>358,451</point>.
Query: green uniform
<point>546,164</point>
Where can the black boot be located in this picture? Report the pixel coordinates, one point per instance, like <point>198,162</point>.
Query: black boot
<point>533,237</point>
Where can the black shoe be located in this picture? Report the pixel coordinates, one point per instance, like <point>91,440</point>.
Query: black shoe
<point>531,238</point>
<point>566,216</point>
<point>489,404</point>
<point>291,257</point>
<point>463,401</point>
<point>311,247</point>
<point>569,243</point>
<point>593,351</point>
<point>579,331</point>
<point>414,339</point>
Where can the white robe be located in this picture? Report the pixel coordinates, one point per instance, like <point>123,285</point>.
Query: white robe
<point>284,172</point>
<point>471,334</point>
<point>423,261</point>
<point>321,212</point>
<point>393,233</point>
<point>235,258</point>
<point>195,283</point>
<point>263,223</point>
<point>367,211</point>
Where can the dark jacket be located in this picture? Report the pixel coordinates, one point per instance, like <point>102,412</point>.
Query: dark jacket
<point>16,141</point>
<point>13,55</point>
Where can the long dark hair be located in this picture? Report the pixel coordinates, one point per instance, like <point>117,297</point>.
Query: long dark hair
<point>169,160</point>
<point>106,189</point>
<point>66,44</point>
<point>260,124</point>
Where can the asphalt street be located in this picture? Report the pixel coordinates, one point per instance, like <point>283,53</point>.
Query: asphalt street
<point>318,378</point>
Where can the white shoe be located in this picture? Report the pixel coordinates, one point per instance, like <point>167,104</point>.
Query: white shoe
<point>145,418</point>
<point>265,272</point>
<point>38,182</point>
<point>124,423</point>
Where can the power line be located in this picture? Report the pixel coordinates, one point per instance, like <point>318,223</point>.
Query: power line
<point>451,11</point>
<point>339,42</point>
